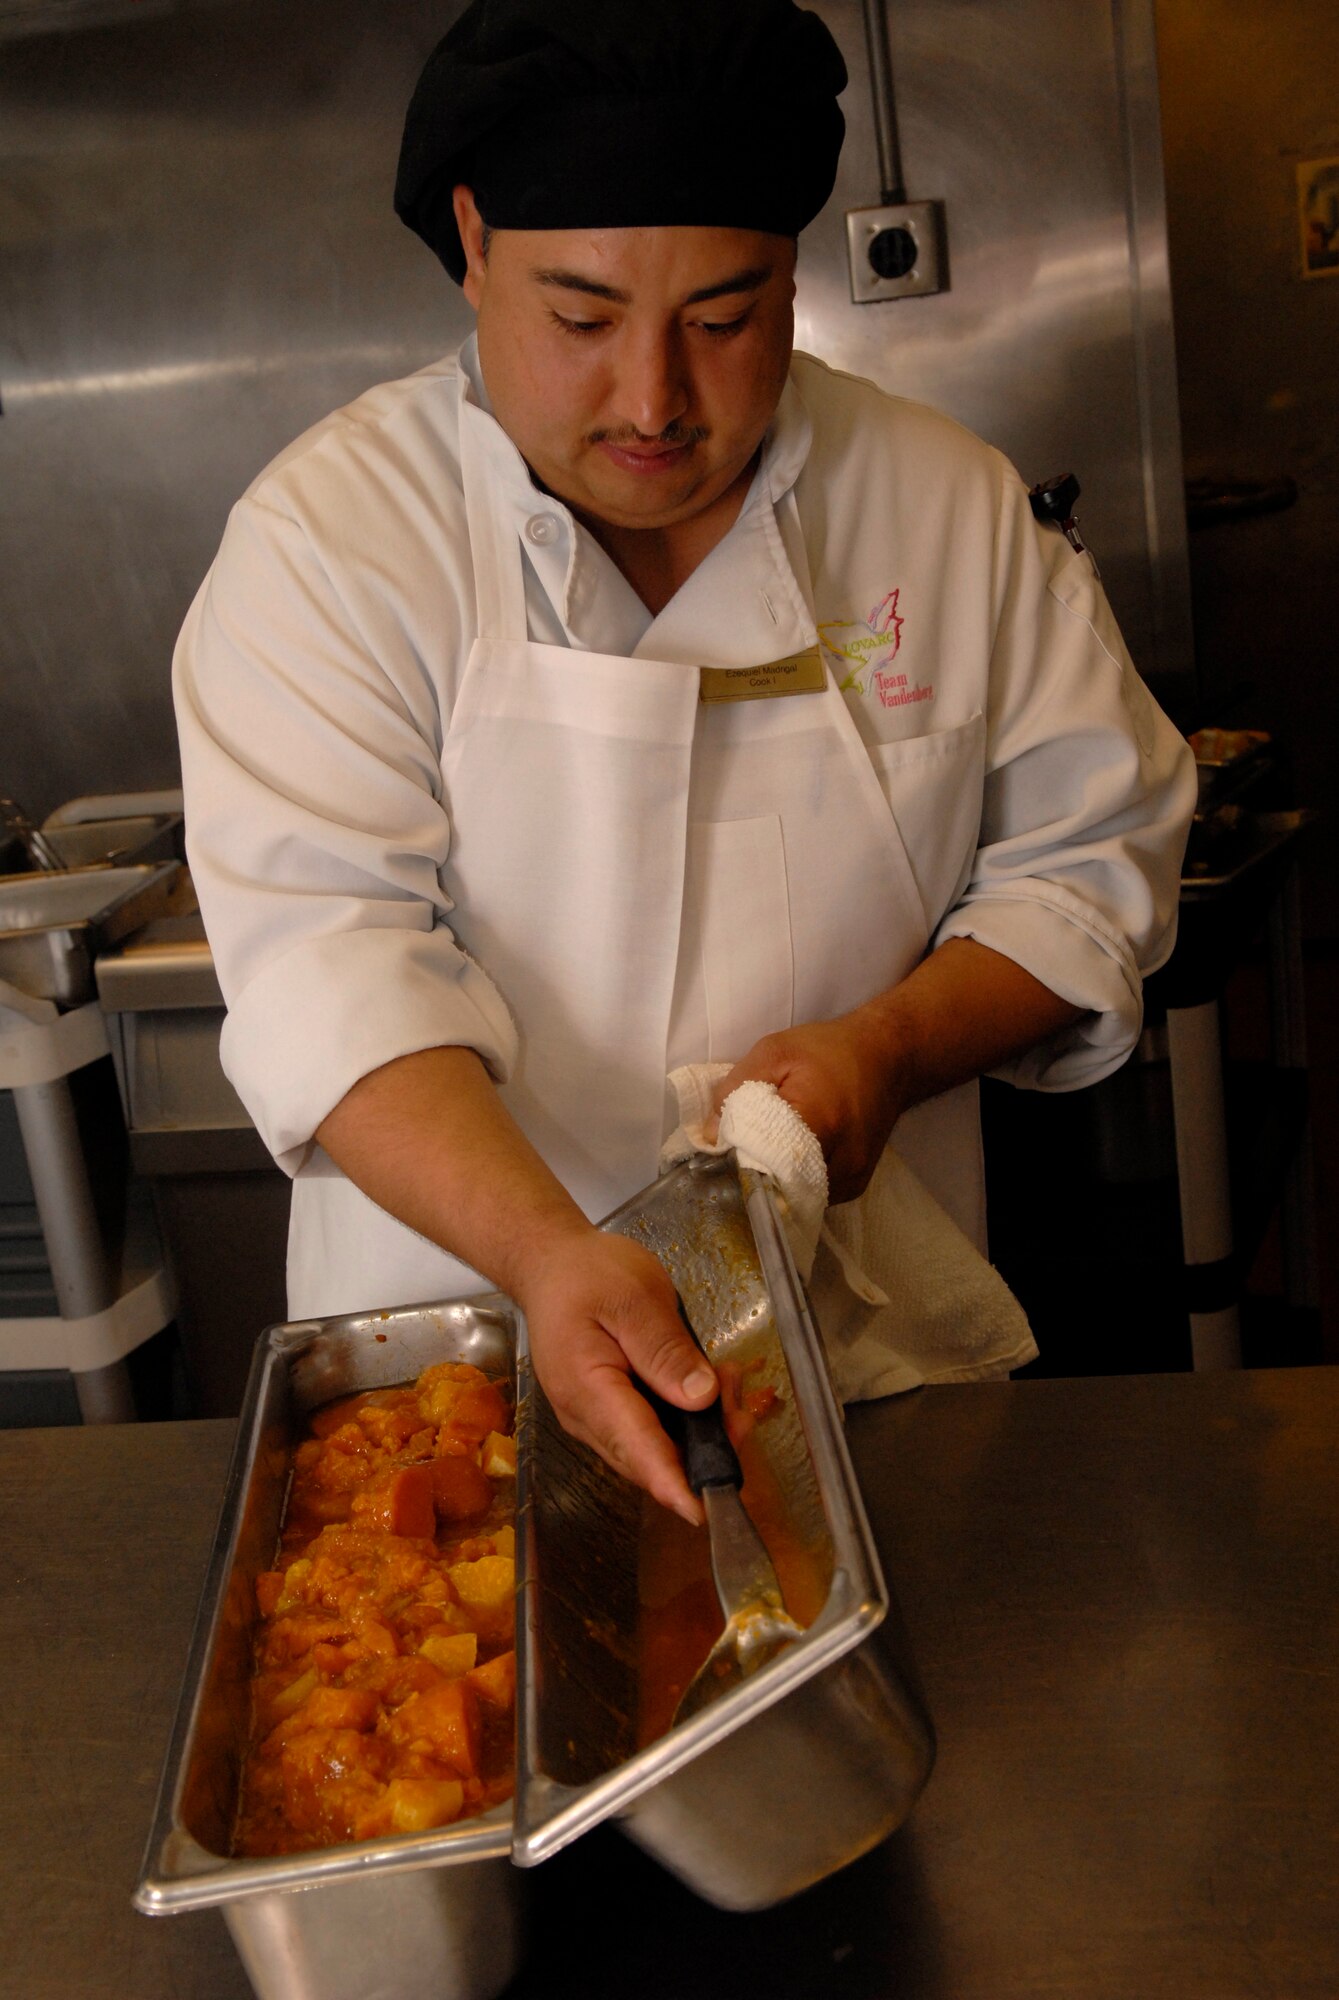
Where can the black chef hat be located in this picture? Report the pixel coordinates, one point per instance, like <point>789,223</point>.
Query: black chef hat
<point>609,114</point>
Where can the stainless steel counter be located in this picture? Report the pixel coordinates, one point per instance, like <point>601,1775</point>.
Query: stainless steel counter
<point>1124,1598</point>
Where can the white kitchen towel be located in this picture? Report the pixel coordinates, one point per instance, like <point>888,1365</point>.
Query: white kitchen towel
<point>900,1295</point>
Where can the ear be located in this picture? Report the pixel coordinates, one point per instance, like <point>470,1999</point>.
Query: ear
<point>471,226</point>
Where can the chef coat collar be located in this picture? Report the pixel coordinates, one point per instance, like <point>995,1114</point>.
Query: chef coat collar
<point>572,567</point>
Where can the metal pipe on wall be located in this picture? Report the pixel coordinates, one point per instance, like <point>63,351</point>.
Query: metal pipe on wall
<point>892,186</point>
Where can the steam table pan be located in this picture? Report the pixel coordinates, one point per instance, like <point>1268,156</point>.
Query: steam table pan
<point>102,843</point>
<point>380,1920</point>
<point>793,1774</point>
<point>820,1754</point>
<point>52,927</point>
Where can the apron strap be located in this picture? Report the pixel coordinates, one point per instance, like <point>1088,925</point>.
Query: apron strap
<point>495,546</point>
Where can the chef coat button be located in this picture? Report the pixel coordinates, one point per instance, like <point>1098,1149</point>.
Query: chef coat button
<point>543,529</point>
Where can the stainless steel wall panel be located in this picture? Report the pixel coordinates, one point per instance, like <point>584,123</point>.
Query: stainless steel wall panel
<point>198,258</point>
<point>1054,337</point>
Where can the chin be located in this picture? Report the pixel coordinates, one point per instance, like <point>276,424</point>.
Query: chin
<point>630,505</point>
<point>666,515</point>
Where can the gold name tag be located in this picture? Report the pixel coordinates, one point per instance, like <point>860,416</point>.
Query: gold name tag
<point>801,673</point>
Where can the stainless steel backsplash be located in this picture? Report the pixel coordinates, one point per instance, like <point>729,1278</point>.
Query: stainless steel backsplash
<point>198,258</point>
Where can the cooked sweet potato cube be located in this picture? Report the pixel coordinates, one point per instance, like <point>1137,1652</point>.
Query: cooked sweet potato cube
<point>340,1752</point>
<point>479,1410</point>
<point>439,1389</point>
<point>340,1708</point>
<point>460,1489</point>
<point>371,1636</point>
<point>394,1681</point>
<point>401,1502</point>
<point>326,1708</point>
<point>443,1721</point>
<point>495,1681</point>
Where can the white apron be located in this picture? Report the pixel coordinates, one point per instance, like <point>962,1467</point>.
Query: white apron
<point>649,880</point>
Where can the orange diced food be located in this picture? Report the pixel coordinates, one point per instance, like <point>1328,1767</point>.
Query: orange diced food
<point>479,1410</point>
<point>415,1804</point>
<point>340,1708</point>
<point>373,1713</point>
<point>460,1490</point>
<point>453,1652</point>
<point>371,1636</point>
<point>495,1681</point>
<point>327,1708</point>
<point>401,1502</point>
<point>442,1723</point>
<point>498,1457</point>
<point>330,1776</point>
<point>393,1681</point>
<point>439,1389</point>
<point>486,1583</point>
<point>331,1660</point>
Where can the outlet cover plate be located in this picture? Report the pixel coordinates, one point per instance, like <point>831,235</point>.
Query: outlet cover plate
<point>923,223</point>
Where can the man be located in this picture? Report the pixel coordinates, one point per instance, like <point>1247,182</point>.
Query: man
<point>481,854</point>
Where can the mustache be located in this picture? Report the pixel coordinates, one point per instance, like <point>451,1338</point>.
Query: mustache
<point>671,438</point>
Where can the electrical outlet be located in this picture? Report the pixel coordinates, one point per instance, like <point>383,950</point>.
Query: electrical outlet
<point>896,252</point>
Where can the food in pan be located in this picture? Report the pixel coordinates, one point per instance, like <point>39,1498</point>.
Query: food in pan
<point>384,1681</point>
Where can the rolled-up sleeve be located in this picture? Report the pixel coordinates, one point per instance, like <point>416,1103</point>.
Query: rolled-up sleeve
<point>1087,800</point>
<point>316,833</point>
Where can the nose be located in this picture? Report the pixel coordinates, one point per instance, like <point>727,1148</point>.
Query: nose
<point>652,389</point>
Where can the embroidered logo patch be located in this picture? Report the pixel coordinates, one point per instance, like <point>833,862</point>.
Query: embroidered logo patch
<point>863,652</point>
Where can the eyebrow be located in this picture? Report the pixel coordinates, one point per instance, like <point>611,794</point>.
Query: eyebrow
<point>751,280</point>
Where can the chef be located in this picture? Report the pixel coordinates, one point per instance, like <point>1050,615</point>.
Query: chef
<point>628,691</point>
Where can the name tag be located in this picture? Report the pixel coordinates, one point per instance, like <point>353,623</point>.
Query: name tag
<point>800,673</point>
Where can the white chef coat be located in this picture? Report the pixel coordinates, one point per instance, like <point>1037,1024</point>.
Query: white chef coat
<point>1040,795</point>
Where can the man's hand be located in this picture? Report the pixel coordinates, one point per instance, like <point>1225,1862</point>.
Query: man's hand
<point>601,1309</point>
<point>963,1010</point>
<point>842,1078</point>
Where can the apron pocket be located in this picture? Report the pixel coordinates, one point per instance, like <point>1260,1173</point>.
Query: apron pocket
<point>737,958</point>
<point>933,786</point>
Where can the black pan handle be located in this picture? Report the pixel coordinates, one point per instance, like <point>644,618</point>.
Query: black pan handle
<point>709,1458</point>
<point>708,1455</point>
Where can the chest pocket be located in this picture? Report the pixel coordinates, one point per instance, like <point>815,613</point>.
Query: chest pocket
<point>933,786</point>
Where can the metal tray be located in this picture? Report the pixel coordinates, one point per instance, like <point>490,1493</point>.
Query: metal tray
<point>101,843</point>
<point>141,837</point>
<point>811,1761</point>
<point>52,927</point>
<point>389,1917</point>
